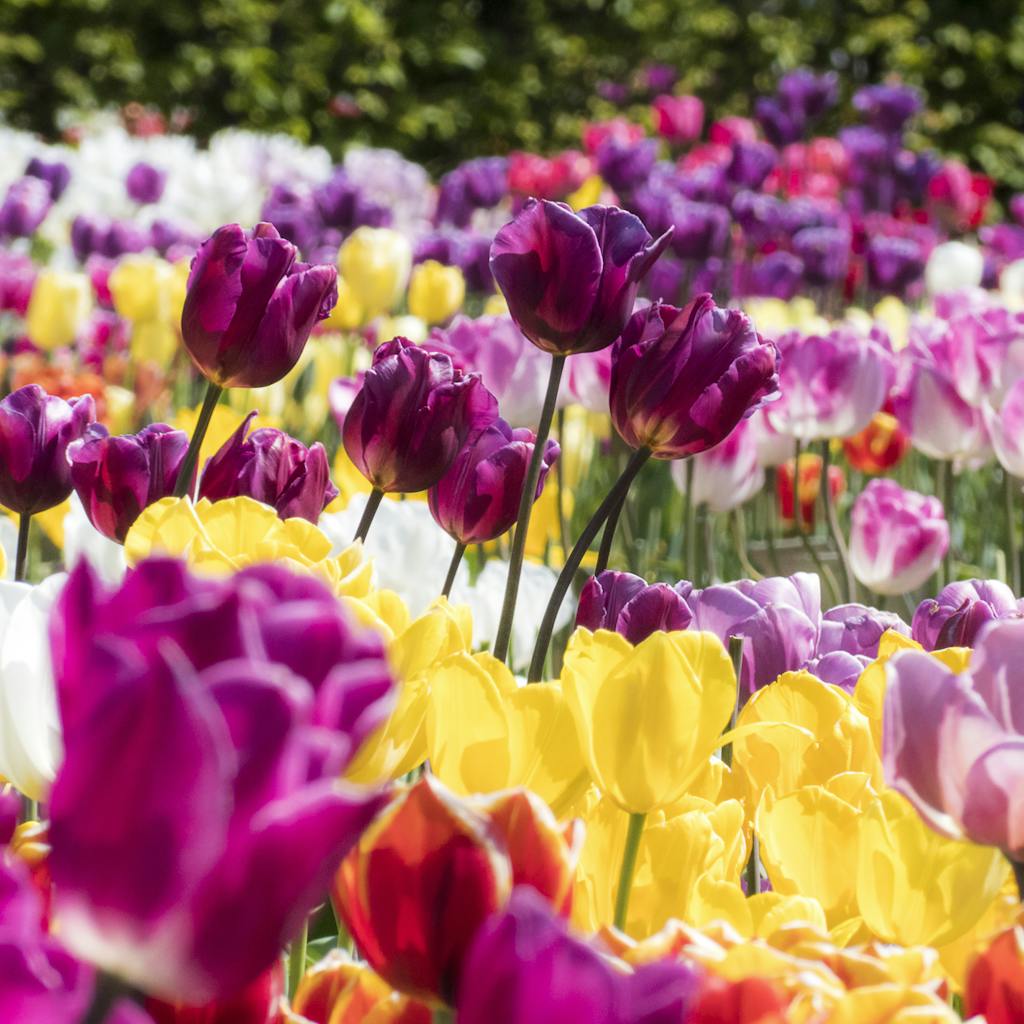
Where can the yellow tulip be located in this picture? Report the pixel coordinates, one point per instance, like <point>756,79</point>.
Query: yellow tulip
<point>587,194</point>
<point>916,887</point>
<point>496,305</point>
<point>408,326</point>
<point>60,304</point>
<point>649,716</point>
<point>347,314</point>
<point>436,292</point>
<point>141,288</point>
<point>894,316</point>
<point>375,262</point>
<point>892,1004</point>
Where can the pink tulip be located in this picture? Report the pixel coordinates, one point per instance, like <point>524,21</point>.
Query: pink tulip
<point>726,476</point>
<point>1006,430</point>
<point>678,119</point>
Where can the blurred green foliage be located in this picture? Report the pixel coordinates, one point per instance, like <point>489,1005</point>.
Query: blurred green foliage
<point>442,80</point>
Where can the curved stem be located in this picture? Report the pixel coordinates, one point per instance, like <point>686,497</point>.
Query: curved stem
<point>629,855</point>
<point>453,568</point>
<point>1010,488</point>
<point>188,467</point>
<point>586,538</point>
<point>21,558</point>
<point>563,522</point>
<point>608,536</point>
<point>526,499</point>
<point>832,521</point>
<point>949,502</point>
<point>372,504</point>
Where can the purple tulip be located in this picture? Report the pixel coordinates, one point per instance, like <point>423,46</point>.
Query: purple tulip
<point>412,416</point>
<point>1005,428</point>
<point>830,386</point>
<point>811,94</point>
<point>781,125</point>
<point>682,379</point>
<point>525,968</point>
<point>118,477</point>
<point>953,745</point>
<point>956,616</point>
<point>888,107</point>
<point>778,275</point>
<point>56,174</point>
<point>897,537</point>
<point>751,163</point>
<point>249,307</point>
<point>468,250</point>
<point>857,629</point>
<point>343,204</point>
<point>477,500</point>
<point>478,184</point>
<point>628,605</point>
<point>294,215</point>
<point>894,263</point>
<point>839,668</point>
<point>758,215</point>
<point>571,279</point>
<point>271,467</point>
<point>699,230</point>
<point>145,183</point>
<point>197,817</point>
<point>99,236</point>
<point>24,208</point>
<point>625,165</point>
<point>35,432</point>
<point>825,253</point>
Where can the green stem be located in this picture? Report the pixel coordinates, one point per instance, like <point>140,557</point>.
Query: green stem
<point>453,568</point>
<point>949,503</point>
<point>629,855</point>
<point>107,992</point>
<point>941,576</point>
<point>586,538</point>
<point>443,1015</point>
<point>824,575</point>
<point>372,504</point>
<point>563,521</point>
<point>736,656</point>
<point>1010,488</point>
<point>21,558</point>
<point>526,499</point>
<point>690,535</point>
<point>753,868</point>
<point>188,467</point>
<point>297,958</point>
<point>832,522</point>
<point>604,554</point>
<point>1018,876</point>
<point>772,519</point>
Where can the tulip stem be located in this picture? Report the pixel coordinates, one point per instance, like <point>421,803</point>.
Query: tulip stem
<point>825,576</point>
<point>586,538</point>
<point>107,993</point>
<point>832,522</point>
<point>1018,875</point>
<point>526,500</point>
<point>21,558</point>
<point>188,466</point>
<point>736,657</point>
<point>372,504</point>
<point>453,568</point>
<point>753,868</point>
<point>297,958</point>
<point>605,552</point>
<point>563,522</point>
<point>629,855</point>
<point>690,528</point>
<point>1011,487</point>
<point>443,1015</point>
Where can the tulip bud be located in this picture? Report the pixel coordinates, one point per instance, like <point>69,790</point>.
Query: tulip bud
<point>683,379</point>
<point>412,415</point>
<point>24,208</point>
<point>57,175</point>
<point>436,292</point>
<point>627,605</point>
<point>995,984</point>
<point>145,183</point>
<point>897,537</point>
<point>35,431</point>
<point>477,500</point>
<point>570,279</point>
<point>271,467</point>
<point>58,309</point>
<point>249,307</point>
<point>117,477</point>
<point>375,262</point>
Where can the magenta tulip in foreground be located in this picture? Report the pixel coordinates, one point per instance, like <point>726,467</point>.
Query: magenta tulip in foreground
<point>954,745</point>
<point>897,537</point>
<point>198,816</point>
<point>249,307</point>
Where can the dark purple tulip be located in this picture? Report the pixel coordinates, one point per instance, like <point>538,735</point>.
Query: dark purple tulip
<point>759,215</point>
<point>666,278</point>
<point>571,279</point>
<point>56,174</point>
<point>478,184</point>
<point>955,617</point>
<point>249,307</point>
<point>218,715</point>
<point>809,94</point>
<point>628,605</point>
<point>35,431</point>
<point>625,165</point>
<point>894,263</point>
<point>145,183</point>
<point>857,629</point>
<point>888,107</point>
<point>751,163</point>
<point>777,275</point>
<point>101,237</point>
<point>525,968</point>
<point>412,416</point>
<point>271,467</point>
<point>477,500</point>
<point>780,124</point>
<point>825,253</point>
<point>293,214</point>
<point>804,212</point>
<point>118,477</point>
<point>24,208</point>
<point>167,237</point>
<point>658,77</point>
<point>468,250</point>
<point>700,230</point>
<point>683,378</point>
<point>342,205</point>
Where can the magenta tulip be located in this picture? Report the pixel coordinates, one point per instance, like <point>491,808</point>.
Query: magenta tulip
<point>628,605</point>
<point>956,616</point>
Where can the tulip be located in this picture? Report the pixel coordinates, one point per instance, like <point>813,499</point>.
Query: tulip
<point>257,1003</point>
<point>778,275</point>
<point>888,107</point>
<point>1006,429</point>
<point>956,616</point>
<point>411,417</point>
<point>855,629</point>
<point>953,266</point>
<point>881,445</point>
<point>897,538</point>
<point>58,309</point>
<point>273,468</point>
<point>825,253</point>
<point>894,263</point>
<point>57,175</point>
<point>995,985</point>
<point>25,207</point>
<point>174,677</point>
<point>376,262</point>
<point>116,478</point>
<point>145,183</point>
<point>678,119</point>
<point>436,292</point>
<point>627,605</point>
<point>570,279</point>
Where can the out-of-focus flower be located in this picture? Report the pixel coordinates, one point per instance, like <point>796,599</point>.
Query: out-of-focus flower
<point>629,606</point>
<point>879,446</point>
<point>412,415</point>
<point>145,183</point>
<point>777,275</point>
<point>825,253</point>
<point>648,716</point>
<point>953,266</point>
<point>1006,429</point>
<point>436,292</point>
<point>55,173</point>
<point>249,307</point>
<point>477,499</point>
<point>58,309</point>
<point>273,468</point>
<point>959,197</point>
<point>258,1003</point>
<point>35,432</point>
<point>570,279</point>
<point>897,537</point>
<point>202,682</point>
<point>678,119</point>
<point>25,206</point>
<point>626,164</point>
<point>888,107</point>
<point>894,263</point>
<point>117,477</point>
<point>683,379</point>
<point>726,476</point>
<point>956,616</point>
<point>375,263</point>
<point>150,293</point>
<point>952,744</point>
<point>995,985</point>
